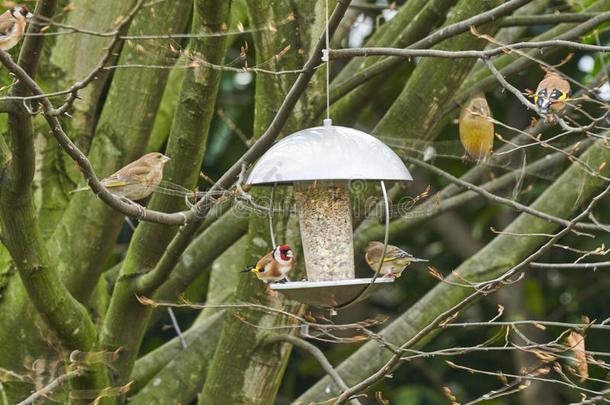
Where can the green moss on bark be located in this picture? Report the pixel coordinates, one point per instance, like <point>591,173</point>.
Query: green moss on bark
<point>127,319</point>
<point>84,238</point>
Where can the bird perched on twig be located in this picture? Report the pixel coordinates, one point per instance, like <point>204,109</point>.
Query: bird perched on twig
<point>275,265</point>
<point>12,26</point>
<point>476,127</point>
<point>551,93</point>
<point>394,262</point>
<point>138,179</point>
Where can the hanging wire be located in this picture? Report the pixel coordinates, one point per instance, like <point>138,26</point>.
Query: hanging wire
<point>327,66</point>
<point>271,209</point>
<point>177,327</point>
<point>386,237</point>
<point>385,247</point>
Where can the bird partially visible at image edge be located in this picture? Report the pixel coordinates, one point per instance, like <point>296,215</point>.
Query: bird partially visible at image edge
<point>12,26</point>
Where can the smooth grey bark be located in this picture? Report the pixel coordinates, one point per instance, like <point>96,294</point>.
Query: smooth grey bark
<point>184,370</point>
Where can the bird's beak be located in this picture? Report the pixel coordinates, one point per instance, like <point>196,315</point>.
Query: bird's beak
<point>415,259</point>
<point>166,158</point>
<point>29,16</point>
<point>249,269</point>
<point>544,104</point>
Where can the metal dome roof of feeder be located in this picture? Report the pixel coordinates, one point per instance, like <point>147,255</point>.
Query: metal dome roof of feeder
<point>328,153</point>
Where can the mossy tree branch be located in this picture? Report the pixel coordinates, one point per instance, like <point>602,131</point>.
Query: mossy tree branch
<point>447,33</point>
<point>121,136</point>
<point>204,249</point>
<point>77,55</point>
<point>69,60</point>
<point>182,371</point>
<point>433,82</point>
<point>223,281</point>
<point>412,23</point>
<point>126,320</point>
<point>243,369</point>
<point>66,318</point>
<point>508,65</point>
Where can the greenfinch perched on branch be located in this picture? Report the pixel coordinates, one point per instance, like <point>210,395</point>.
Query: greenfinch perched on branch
<point>138,179</point>
<point>394,262</point>
<point>476,127</point>
<point>551,93</point>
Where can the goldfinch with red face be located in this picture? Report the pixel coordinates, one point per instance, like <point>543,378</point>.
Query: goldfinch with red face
<point>12,26</point>
<point>551,93</point>
<point>137,180</point>
<point>275,265</point>
<point>476,128</point>
<point>394,262</point>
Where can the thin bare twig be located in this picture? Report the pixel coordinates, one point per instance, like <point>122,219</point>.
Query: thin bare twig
<point>593,265</point>
<point>492,197</point>
<point>73,90</point>
<point>318,355</point>
<point>131,209</point>
<point>50,387</point>
<point>71,29</point>
<point>508,86</point>
<point>543,19</point>
<point>340,89</point>
<point>439,53</point>
<point>481,289</point>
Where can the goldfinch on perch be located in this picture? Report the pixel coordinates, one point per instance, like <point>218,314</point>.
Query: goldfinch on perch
<point>138,179</point>
<point>274,266</point>
<point>476,128</point>
<point>394,262</point>
<point>12,26</point>
<point>551,93</point>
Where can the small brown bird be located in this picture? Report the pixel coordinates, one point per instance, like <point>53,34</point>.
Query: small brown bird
<point>551,93</point>
<point>12,26</point>
<point>476,128</point>
<point>394,262</point>
<point>275,265</point>
<point>138,179</point>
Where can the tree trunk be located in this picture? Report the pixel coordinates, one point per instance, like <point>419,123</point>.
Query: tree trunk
<point>127,319</point>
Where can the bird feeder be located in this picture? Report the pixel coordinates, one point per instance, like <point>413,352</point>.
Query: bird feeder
<point>320,163</point>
